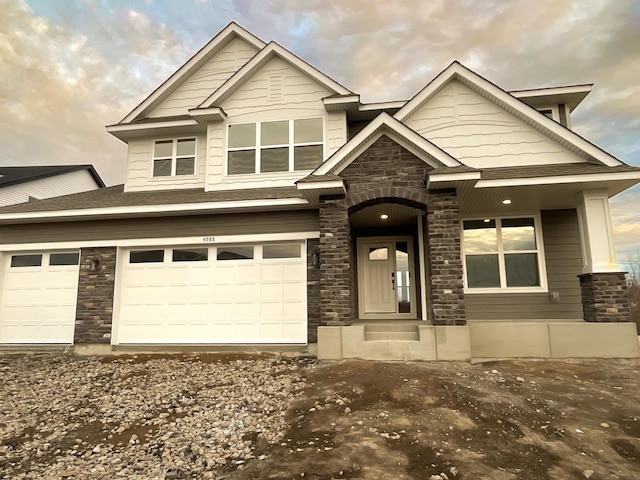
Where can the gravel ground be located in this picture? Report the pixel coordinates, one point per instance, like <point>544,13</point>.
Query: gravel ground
<point>140,417</point>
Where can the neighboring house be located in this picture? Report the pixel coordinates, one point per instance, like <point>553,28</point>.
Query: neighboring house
<point>28,183</point>
<point>265,204</point>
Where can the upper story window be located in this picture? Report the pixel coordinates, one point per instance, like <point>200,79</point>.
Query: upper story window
<point>174,157</point>
<point>282,146</point>
<point>503,253</point>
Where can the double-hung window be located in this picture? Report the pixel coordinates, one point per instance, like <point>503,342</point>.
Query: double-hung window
<point>174,157</point>
<point>281,146</point>
<point>503,253</point>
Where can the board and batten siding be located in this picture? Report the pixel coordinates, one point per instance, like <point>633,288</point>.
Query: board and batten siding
<point>278,91</point>
<point>55,186</point>
<point>188,226</point>
<point>139,174</point>
<point>563,255</point>
<point>481,134</point>
<point>206,80</point>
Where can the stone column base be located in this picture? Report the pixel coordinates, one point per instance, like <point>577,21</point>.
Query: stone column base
<point>604,297</point>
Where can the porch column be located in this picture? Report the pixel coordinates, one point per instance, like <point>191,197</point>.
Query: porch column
<point>336,273</point>
<point>603,283</point>
<point>446,291</point>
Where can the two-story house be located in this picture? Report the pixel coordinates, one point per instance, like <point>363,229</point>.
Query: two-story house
<point>265,204</point>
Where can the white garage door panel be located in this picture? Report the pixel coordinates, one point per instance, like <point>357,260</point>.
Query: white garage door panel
<point>38,304</point>
<point>214,301</point>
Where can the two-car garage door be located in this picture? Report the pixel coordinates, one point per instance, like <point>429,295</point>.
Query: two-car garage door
<point>38,297</point>
<point>244,293</point>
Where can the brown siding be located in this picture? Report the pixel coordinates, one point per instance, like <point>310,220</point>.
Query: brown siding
<point>205,225</point>
<point>564,263</point>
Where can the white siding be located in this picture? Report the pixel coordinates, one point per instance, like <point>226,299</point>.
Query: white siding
<point>139,173</point>
<point>480,134</point>
<point>206,80</point>
<point>65,184</point>
<point>278,91</point>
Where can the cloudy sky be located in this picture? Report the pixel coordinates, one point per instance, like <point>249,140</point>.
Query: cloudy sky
<point>70,67</point>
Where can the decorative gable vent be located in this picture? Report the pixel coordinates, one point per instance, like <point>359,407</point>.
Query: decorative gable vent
<point>276,87</point>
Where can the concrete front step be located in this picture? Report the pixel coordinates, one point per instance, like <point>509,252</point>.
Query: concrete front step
<point>394,333</point>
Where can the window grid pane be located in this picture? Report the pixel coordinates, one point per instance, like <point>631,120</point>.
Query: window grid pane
<point>307,130</point>
<point>162,168</point>
<point>242,161</point>
<point>242,136</point>
<point>483,271</point>
<point>274,133</point>
<point>185,166</point>
<point>522,270</point>
<point>308,157</point>
<point>274,160</point>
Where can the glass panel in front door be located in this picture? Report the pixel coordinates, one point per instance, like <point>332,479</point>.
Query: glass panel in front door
<point>403,285</point>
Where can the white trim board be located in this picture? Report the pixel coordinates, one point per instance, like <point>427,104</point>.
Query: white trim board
<point>164,241</point>
<point>138,209</point>
<point>590,177</point>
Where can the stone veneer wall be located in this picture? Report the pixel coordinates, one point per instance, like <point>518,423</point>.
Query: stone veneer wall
<point>388,172</point>
<point>94,311</point>
<point>313,291</point>
<point>336,287</point>
<point>604,297</point>
<point>446,290</point>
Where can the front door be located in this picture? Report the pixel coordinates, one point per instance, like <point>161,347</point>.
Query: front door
<point>385,277</point>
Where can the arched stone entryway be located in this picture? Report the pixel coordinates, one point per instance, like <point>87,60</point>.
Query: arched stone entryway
<point>386,173</point>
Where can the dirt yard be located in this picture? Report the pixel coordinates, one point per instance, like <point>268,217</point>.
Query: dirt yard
<point>346,420</point>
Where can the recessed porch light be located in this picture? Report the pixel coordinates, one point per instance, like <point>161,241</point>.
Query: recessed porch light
<point>486,220</point>
<point>506,201</point>
<point>384,216</point>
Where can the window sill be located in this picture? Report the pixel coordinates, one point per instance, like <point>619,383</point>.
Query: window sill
<point>506,290</point>
<point>268,175</point>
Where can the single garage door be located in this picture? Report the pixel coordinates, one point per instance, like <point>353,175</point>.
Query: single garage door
<point>39,292</point>
<point>224,294</point>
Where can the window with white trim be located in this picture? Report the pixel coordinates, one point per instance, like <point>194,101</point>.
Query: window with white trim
<point>270,147</point>
<point>502,253</point>
<point>174,157</point>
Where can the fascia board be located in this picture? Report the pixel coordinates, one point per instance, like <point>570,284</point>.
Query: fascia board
<point>146,126</point>
<point>220,38</point>
<point>470,78</point>
<point>321,185</point>
<point>154,209</point>
<point>452,177</point>
<point>251,67</point>
<point>558,179</point>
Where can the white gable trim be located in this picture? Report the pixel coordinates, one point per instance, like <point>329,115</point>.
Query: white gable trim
<point>258,61</point>
<point>457,71</point>
<point>209,50</point>
<point>385,124</point>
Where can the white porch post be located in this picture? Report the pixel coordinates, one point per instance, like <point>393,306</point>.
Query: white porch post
<point>423,276</point>
<point>596,232</point>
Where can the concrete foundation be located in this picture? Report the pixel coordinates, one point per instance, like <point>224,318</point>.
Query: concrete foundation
<point>482,340</point>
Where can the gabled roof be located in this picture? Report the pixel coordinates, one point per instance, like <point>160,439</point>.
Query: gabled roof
<point>385,124</point>
<point>272,50</point>
<point>23,174</point>
<point>217,43</point>
<point>562,135</point>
